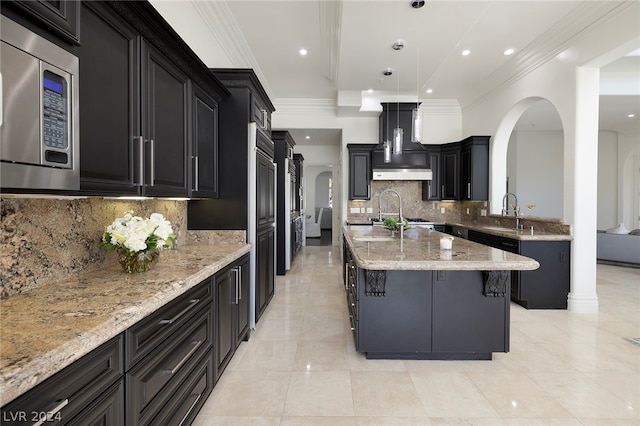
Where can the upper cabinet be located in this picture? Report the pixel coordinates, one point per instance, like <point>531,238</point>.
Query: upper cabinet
<point>360,171</point>
<point>431,189</point>
<point>474,168</point>
<point>148,106</point>
<point>58,21</point>
<point>450,171</point>
<point>414,155</point>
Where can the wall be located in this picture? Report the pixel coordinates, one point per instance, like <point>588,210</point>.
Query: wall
<point>629,177</point>
<point>45,240</point>
<point>535,171</point>
<point>322,189</point>
<point>310,175</point>
<point>607,180</point>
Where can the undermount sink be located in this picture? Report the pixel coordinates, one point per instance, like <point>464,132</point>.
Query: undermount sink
<point>372,238</point>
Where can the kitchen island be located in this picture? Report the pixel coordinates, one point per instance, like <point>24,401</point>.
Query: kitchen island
<point>408,299</point>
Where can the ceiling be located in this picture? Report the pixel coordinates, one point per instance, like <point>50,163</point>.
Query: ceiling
<point>349,44</point>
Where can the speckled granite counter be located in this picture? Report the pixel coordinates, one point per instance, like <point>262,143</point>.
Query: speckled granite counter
<point>522,235</point>
<point>48,328</point>
<point>421,251</point>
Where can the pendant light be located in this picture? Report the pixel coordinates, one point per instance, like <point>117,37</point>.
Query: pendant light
<point>387,142</point>
<point>398,133</point>
<point>416,119</point>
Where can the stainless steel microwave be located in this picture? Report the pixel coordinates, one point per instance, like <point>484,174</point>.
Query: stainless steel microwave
<point>39,127</point>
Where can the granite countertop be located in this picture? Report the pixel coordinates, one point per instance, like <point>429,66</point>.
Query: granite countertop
<point>522,235</point>
<point>48,328</point>
<point>421,251</point>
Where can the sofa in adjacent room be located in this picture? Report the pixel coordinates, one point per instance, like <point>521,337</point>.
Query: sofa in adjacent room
<point>618,248</point>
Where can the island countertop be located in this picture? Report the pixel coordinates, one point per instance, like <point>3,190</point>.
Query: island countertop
<point>421,251</point>
<point>48,328</point>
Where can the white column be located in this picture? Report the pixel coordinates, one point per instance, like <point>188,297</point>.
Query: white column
<point>580,180</point>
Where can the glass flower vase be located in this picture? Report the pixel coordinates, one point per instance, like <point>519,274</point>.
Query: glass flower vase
<point>140,261</point>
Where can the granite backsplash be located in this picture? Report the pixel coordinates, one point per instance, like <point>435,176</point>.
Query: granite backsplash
<point>460,212</point>
<point>44,240</point>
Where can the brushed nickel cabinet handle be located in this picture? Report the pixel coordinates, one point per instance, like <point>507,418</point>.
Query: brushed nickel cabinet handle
<point>50,414</point>
<point>196,344</point>
<point>192,303</point>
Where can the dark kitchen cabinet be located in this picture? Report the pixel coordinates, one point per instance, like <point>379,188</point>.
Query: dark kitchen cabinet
<point>138,126</point>
<point>450,174</point>
<point>360,171</point>
<point>90,388</point>
<point>544,288</point>
<point>57,21</point>
<point>298,196</point>
<point>431,189</point>
<point>165,350</point>
<point>231,311</point>
<point>265,284</point>
<point>283,157</point>
<point>474,168</point>
<point>204,145</point>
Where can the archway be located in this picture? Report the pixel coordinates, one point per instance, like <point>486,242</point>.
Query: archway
<point>527,140</point>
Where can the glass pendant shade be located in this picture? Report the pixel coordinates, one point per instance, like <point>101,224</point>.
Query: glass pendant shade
<point>416,126</point>
<point>387,151</point>
<point>397,140</point>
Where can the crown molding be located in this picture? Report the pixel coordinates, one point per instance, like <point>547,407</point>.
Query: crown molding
<point>583,19</point>
<point>440,107</point>
<point>222,24</point>
<point>301,106</point>
<point>330,28</point>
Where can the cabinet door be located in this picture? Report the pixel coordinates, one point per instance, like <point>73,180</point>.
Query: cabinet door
<point>242,306</point>
<point>60,17</point>
<point>431,188</point>
<point>264,272</point>
<point>223,346</point>
<point>204,145</point>
<point>474,165</point>
<point>450,171</point>
<point>164,111</point>
<point>109,109</point>
<point>359,174</point>
<point>266,190</point>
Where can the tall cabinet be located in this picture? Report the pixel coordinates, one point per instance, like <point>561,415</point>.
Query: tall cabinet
<point>284,143</point>
<point>246,179</point>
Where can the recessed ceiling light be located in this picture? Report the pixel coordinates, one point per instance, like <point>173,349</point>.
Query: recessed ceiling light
<point>307,137</point>
<point>466,52</point>
<point>429,90</point>
<point>303,52</point>
<point>370,91</point>
<point>631,115</point>
<point>509,51</point>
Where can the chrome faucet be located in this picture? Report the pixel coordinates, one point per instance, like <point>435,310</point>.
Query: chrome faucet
<point>399,212</point>
<point>516,207</point>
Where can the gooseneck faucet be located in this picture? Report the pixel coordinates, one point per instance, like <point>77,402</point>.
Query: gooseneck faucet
<point>401,222</point>
<point>516,207</point>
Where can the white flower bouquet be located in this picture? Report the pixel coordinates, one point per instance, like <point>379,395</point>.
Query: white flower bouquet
<point>137,241</point>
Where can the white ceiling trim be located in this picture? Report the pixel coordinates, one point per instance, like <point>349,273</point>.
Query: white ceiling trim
<point>440,107</point>
<point>583,19</point>
<point>305,106</point>
<point>222,24</point>
<point>330,27</point>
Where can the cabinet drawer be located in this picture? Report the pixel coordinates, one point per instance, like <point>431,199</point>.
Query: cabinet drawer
<point>154,329</point>
<point>64,395</point>
<point>190,397</point>
<point>107,410</point>
<point>152,383</point>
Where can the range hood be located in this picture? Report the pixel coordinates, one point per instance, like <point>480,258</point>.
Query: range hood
<point>402,174</point>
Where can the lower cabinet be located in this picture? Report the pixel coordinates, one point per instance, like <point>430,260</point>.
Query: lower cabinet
<point>177,341</point>
<point>89,390</point>
<point>265,284</point>
<point>544,288</point>
<point>231,312</point>
<point>166,364</point>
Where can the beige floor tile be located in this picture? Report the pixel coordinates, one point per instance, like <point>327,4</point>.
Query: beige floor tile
<point>393,421</point>
<point>236,421</point>
<point>268,355</point>
<point>321,356</point>
<point>319,393</point>
<point>442,392</point>
<point>516,395</point>
<point>385,394</point>
<point>318,421</point>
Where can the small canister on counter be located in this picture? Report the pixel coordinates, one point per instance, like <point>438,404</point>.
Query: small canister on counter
<point>446,243</point>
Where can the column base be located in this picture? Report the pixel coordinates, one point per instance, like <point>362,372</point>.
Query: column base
<point>582,304</point>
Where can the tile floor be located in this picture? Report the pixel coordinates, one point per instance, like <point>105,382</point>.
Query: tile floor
<point>300,366</point>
